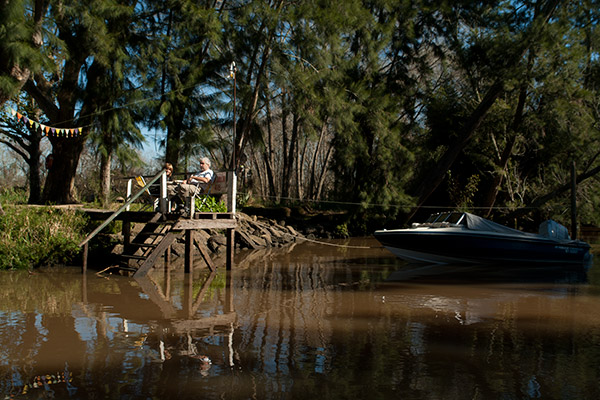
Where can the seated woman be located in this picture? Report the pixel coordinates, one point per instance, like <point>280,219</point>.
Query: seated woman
<point>155,188</point>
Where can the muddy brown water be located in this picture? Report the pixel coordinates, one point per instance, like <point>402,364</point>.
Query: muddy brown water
<point>310,321</point>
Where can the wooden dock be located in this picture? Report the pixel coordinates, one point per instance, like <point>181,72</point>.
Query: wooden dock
<point>161,229</point>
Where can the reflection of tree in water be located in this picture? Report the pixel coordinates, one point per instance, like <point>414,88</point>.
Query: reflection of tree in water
<point>113,340</point>
<point>305,323</point>
<point>310,326</point>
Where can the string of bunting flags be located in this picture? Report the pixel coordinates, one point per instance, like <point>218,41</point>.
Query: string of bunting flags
<point>47,130</point>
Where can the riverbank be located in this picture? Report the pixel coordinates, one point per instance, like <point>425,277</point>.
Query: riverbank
<point>261,227</point>
<point>253,232</point>
<point>31,237</point>
<point>311,223</point>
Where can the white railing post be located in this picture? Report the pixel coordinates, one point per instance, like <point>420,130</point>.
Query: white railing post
<point>163,201</point>
<point>231,191</point>
<point>129,183</point>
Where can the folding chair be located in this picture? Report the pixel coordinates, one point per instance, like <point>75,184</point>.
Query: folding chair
<point>198,192</point>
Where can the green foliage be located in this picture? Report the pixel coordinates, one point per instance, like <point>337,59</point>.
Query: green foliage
<point>345,100</point>
<point>462,194</point>
<point>36,236</point>
<point>13,196</point>
<point>342,231</point>
<point>16,47</point>
<point>210,204</point>
<point>243,199</point>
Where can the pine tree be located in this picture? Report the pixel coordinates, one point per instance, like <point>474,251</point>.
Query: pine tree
<point>179,72</point>
<point>76,95</point>
<point>20,34</point>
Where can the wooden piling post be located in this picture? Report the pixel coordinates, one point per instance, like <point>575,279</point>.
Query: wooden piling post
<point>126,231</point>
<point>189,243</point>
<point>85,258</point>
<point>573,201</point>
<point>230,248</point>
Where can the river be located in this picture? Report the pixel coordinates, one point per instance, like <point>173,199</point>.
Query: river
<point>310,321</point>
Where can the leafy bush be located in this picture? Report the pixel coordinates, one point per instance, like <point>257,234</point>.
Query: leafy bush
<point>36,236</point>
<point>342,230</point>
<point>210,205</point>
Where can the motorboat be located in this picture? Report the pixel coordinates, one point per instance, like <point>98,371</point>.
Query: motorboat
<point>462,237</point>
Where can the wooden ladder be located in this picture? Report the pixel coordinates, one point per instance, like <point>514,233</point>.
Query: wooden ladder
<point>148,245</point>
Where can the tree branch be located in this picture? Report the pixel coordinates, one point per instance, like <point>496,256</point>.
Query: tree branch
<point>538,202</point>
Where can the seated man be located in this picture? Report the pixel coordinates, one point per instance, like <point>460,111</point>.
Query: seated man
<point>200,179</point>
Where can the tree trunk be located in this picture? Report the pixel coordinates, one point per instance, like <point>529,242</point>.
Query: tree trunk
<point>60,183</point>
<point>105,162</point>
<point>175,148</point>
<point>490,197</point>
<point>284,143</point>
<point>312,185</point>
<point>268,156</point>
<point>323,174</point>
<point>34,168</point>
<point>300,171</point>
<point>287,167</point>
<point>538,202</point>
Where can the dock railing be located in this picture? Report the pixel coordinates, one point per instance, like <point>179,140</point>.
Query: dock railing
<point>225,184</point>
<point>160,204</point>
<point>124,207</point>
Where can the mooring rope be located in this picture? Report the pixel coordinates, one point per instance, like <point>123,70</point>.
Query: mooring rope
<point>332,244</point>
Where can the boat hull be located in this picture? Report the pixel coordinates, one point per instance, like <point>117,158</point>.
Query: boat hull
<point>448,246</point>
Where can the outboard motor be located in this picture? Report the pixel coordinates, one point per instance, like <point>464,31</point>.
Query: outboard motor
<point>553,229</point>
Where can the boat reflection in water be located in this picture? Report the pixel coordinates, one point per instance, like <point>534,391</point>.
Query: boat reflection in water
<point>485,273</point>
<point>475,293</point>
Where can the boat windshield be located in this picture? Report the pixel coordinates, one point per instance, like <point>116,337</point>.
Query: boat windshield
<point>447,218</point>
<point>454,218</point>
<point>431,218</point>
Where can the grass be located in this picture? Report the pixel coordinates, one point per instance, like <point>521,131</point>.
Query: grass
<point>36,236</point>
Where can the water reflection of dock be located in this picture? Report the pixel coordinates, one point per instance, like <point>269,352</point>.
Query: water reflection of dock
<point>177,303</point>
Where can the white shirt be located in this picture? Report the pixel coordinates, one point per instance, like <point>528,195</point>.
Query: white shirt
<point>204,174</point>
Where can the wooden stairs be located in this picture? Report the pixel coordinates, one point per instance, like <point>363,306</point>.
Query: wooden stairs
<point>150,243</point>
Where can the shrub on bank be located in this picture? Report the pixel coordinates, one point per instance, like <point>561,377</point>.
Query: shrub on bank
<point>35,236</point>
